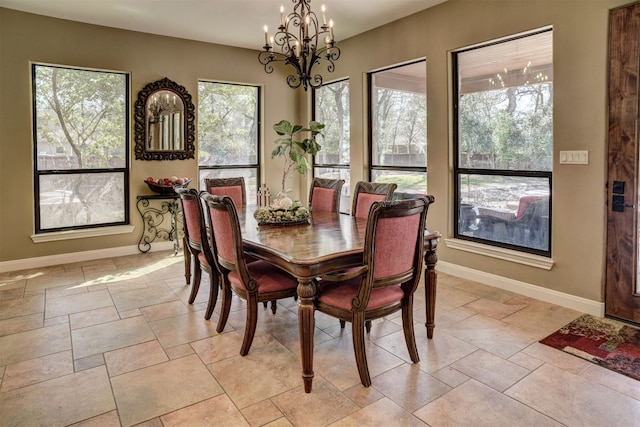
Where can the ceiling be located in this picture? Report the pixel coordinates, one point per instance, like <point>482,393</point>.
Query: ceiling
<point>236,23</point>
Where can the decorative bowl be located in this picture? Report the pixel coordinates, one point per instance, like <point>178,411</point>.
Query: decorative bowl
<point>296,214</point>
<point>166,190</point>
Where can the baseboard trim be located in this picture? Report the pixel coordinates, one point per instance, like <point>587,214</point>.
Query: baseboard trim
<point>45,261</point>
<point>573,302</point>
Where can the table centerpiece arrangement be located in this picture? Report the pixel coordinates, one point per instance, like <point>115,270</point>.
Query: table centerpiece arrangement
<point>283,210</point>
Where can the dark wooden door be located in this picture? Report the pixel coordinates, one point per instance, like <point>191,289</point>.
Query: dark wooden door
<point>622,295</point>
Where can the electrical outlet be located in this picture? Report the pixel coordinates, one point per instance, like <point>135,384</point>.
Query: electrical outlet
<point>574,157</point>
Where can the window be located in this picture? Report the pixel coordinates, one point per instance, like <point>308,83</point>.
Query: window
<point>81,148</point>
<point>228,134</point>
<point>331,108</point>
<point>503,143</point>
<point>398,137</point>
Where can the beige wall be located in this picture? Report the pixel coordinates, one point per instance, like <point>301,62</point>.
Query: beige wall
<point>580,108</point>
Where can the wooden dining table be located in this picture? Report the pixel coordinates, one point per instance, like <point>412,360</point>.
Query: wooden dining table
<point>328,243</point>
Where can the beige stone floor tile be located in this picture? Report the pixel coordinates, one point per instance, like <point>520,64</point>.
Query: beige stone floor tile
<point>548,318</point>
<point>363,396</point>
<point>183,329</point>
<point>110,336</point>
<point>88,362</point>
<point>218,411</point>
<point>10,290</point>
<point>556,357</point>
<point>290,336</point>
<point>59,401</point>
<point>46,280</point>
<point>335,361</point>
<point>409,387</point>
<point>490,370</point>
<point>495,309</point>
<point>492,335</point>
<point>526,360</point>
<point>36,370</point>
<point>35,343</point>
<point>440,351</point>
<point>164,310</point>
<point>261,413</point>
<point>485,291</point>
<point>15,325</point>
<point>613,380</point>
<point>383,412</point>
<point>21,307</point>
<point>143,297</point>
<point>60,320</point>
<point>478,405</point>
<point>108,419</point>
<point>64,291</point>
<point>323,406</point>
<point>77,303</point>
<point>134,357</point>
<point>450,376</point>
<point>280,422</point>
<point>547,390</point>
<point>93,317</point>
<point>450,298</point>
<point>270,370</point>
<point>173,385</point>
<point>179,351</point>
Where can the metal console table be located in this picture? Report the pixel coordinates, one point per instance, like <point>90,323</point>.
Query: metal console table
<point>160,217</point>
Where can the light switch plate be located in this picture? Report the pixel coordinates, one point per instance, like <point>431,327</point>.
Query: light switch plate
<point>574,157</point>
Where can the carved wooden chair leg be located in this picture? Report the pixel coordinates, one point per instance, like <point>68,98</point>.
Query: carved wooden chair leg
<point>250,326</point>
<point>226,307</point>
<point>342,324</point>
<point>196,282</point>
<point>214,284</point>
<point>274,306</point>
<point>187,260</point>
<point>367,326</point>
<point>359,349</point>
<point>265,304</point>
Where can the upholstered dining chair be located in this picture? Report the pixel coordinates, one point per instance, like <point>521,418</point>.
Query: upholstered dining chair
<point>366,193</point>
<point>255,282</point>
<point>386,280</point>
<point>324,195</point>
<point>197,246</point>
<point>232,187</point>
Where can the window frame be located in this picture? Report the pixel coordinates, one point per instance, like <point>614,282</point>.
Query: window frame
<point>250,167</point>
<point>340,167</point>
<point>371,167</point>
<point>459,171</point>
<point>37,173</point>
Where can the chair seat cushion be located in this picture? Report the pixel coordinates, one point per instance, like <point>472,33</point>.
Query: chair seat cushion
<point>340,294</point>
<point>202,259</point>
<point>269,278</point>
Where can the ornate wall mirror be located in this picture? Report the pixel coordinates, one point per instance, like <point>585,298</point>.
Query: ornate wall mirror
<point>164,122</point>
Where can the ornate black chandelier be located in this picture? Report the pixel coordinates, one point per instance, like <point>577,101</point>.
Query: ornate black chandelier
<point>302,43</point>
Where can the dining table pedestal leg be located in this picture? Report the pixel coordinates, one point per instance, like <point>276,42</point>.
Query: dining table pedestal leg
<point>306,323</point>
<point>430,284</point>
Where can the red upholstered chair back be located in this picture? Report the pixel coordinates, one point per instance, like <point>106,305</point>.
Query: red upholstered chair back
<point>324,195</point>
<point>192,216</point>
<point>394,242</point>
<point>232,187</point>
<point>368,192</point>
<point>525,201</point>
<point>225,233</point>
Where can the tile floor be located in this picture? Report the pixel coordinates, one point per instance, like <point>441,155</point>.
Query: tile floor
<point>113,342</point>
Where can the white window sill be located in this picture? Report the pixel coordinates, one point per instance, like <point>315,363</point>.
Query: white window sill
<point>501,253</point>
<point>82,234</point>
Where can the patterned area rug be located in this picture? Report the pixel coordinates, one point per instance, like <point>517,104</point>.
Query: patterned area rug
<point>605,342</point>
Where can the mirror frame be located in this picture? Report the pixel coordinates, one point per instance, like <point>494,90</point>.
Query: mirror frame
<point>140,126</point>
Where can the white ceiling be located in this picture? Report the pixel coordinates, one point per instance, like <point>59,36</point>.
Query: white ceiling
<point>230,22</point>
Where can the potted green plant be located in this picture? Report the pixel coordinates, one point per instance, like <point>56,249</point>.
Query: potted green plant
<point>284,211</point>
<point>295,152</point>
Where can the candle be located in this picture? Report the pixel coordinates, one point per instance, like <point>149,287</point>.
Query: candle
<point>281,16</point>
<point>296,51</point>
<point>306,26</point>
<point>266,35</point>
<point>324,17</point>
<point>331,29</point>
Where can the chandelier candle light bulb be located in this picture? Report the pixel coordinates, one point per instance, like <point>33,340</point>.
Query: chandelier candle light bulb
<point>302,43</point>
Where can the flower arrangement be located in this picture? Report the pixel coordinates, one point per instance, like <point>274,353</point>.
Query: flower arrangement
<point>292,212</point>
